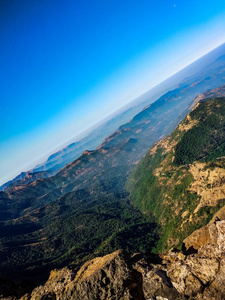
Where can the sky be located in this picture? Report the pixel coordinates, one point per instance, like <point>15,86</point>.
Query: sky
<point>67,64</point>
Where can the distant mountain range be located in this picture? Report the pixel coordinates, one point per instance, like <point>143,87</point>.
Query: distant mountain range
<point>178,190</point>
<point>84,209</point>
<point>206,73</point>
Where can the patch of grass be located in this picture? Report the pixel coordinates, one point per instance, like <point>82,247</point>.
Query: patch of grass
<point>209,211</point>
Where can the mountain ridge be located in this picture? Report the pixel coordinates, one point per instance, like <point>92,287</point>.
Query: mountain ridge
<point>74,211</point>
<point>185,77</point>
<point>183,174</point>
<point>84,209</point>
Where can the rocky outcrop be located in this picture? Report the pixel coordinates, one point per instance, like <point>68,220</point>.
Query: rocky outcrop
<point>174,275</point>
<point>108,277</point>
<point>200,275</point>
<point>114,276</point>
<point>213,234</point>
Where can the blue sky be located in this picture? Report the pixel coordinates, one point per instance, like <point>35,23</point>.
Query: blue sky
<point>65,64</point>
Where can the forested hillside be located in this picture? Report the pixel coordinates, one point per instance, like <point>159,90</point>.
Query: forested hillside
<point>181,179</point>
<point>84,210</point>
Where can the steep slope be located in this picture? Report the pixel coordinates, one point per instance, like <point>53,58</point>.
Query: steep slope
<point>118,153</point>
<point>80,212</point>
<point>181,179</point>
<point>40,217</point>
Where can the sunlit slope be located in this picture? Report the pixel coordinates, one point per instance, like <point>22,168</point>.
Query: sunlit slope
<point>181,180</point>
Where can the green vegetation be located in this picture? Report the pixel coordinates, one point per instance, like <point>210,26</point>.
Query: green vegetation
<point>74,228</point>
<point>160,184</point>
<point>204,141</point>
<point>166,199</point>
<point>84,211</point>
<point>209,211</point>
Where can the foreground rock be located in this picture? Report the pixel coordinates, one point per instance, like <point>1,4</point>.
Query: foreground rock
<point>170,276</point>
<point>114,276</point>
<point>200,275</point>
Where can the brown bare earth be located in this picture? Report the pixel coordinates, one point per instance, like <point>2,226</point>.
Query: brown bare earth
<point>208,184</point>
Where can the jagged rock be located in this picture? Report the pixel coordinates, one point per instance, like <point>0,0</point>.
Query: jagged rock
<point>55,285</point>
<point>114,276</point>
<point>182,278</point>
<point>213,233</point>
<point>201,275</point>
<point>218,283</point>
<point>108,277</point>
<point>205,269</point>
<point>170,276</point>
<point>221,235</point>
<point>198,238</point>
<point>156,284</point>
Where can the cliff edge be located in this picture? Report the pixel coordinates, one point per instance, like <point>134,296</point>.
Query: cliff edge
<point>196,273</point>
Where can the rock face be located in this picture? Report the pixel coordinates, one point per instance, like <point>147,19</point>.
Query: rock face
<point>108,277</point>
<point>169,276</point>
<point>200,275</point>
<point>211,234</point>
<point>114,276</point>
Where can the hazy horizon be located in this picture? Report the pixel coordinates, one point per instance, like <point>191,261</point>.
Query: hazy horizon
<point>62,69</point>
